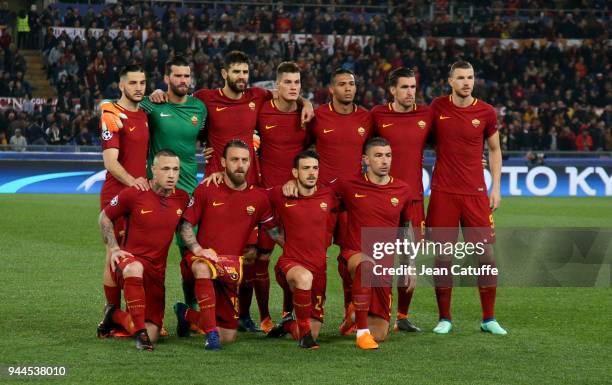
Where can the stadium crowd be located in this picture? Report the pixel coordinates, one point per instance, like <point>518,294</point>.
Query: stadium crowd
<point>550,97</point>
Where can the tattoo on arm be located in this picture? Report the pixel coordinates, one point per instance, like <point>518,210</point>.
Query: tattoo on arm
<point>275,234</point>
<point>188,235</point>
<point>108,231</point>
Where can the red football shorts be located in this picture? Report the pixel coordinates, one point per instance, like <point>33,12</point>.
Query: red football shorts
<point>317,291</point>
<point>155,291</point>
<point>447,211</point>
<point>264,242</point>
<point>227,273</point>
<point>417,219</point>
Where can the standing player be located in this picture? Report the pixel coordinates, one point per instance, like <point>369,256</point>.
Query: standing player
<point>124,155</point>
<point>462,124</point>
<point>301,269</point>
<point>226,215</point>
<point>373,199</point>
<point>139,263</point>
<point>406,126</point>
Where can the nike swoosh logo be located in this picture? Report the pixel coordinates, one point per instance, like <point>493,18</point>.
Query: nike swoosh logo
<point>220,108</point>
<point>360,195</point>
<point>272,126</point>
<point>442,117</point>
<point>164,115</point>
<point>326,131</point>
<point>145,211</point>
<point>132,128</point>
<point>215,204</point>
<point>387,125</point>
<point>288,205</point>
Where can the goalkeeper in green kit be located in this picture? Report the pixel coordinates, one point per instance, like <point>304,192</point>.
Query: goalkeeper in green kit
<point>175,126</point>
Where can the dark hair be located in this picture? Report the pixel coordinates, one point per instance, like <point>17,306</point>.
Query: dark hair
<point>235,57</point>
<point>130,68</point>
<point>304,155</point>
<point>287,67</point>
<point>238,143</point>
<point>175,61</point>
<point>396,74</point>
<point>340,71</point>
<point>465,65</point>
<point>164,152</point>
<point>375,141</point>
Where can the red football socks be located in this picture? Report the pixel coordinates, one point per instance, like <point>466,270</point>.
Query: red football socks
<point>361,298</point>
<point>444,288</point>
<point>123,318</point>
<point>135,300</point>
<point>403,300</point>
<point>262,287</point>
<point>205,294</point>
<point>245,293</point>
<point>302,305</point>
<point>487,301</point>
<point>113,295</point>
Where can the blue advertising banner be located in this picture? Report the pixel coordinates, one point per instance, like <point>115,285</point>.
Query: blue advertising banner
<point>84,174</point>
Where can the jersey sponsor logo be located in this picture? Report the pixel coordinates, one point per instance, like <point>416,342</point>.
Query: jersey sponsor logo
<point>323,206</point>
<point>270,126</point>
<point>215,204</point>
<point>475,122</point>
<point>115,201</point>
<point>252,105</point>
<point>191,202</point>
<point>361,131</point>
<point>385,125</point>
<point>325,130</point>
<point>442,117</point>
<point>250,210</point>
<point>290,205</point>
<point>421,124</point>
<point>394,201</point>
<point>360,195</point>
<point>132,128</point>
<point>194,120</point>
<point>164,115</point>
<point>179,212</point>
<point>107,135</point>
<point>143,211</point>
<point>219,109</point>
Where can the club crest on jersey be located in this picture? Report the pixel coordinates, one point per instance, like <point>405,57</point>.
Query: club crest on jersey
<point>114,201</point>
<point>233,274</point>
<point>107,135</point>
<point>323,206</point>
<point>194,120</point>
<point>421,124</point>
<point>361,131</point>
<point>250,210</point>
<point>179,212</point>
<point>191,202</point>
<point>252,105</point>
<point>394,201</point>
<point>475,122</point>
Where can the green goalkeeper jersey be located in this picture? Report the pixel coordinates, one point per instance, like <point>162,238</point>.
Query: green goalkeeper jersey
<point>175,127</point>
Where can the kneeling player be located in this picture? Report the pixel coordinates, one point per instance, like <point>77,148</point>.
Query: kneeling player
<point>139,264</point>
<point>226,215</point>
<point>301,269</point>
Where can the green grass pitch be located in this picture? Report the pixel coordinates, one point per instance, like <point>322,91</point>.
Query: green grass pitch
<point>52,257</point>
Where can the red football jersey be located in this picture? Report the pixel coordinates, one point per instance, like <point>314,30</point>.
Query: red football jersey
<point>459,134</point>
<point>231,119</point>
<point>371,205</point>
<point>282,138</point>
<point>305,221</point>
<point>227,217</point>
<point>151,221</point>
<point>407,132</point>
<point>339,140</point>
<point>132,141</point>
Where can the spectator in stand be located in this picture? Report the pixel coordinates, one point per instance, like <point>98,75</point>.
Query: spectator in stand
<point>18,142</point>
<point>584,141</point>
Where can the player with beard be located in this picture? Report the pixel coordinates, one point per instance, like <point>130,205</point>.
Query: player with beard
<point>406,126</point>
<point>124,153</point>
<point>225,216</point>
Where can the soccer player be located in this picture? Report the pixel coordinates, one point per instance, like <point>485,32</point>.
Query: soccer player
<point>301,269</point>
<point>461,125</point>
<point>372,199</point>
<point>406,126</point>
<point>124,155</point>
<point>226,215</point>
<point>233,115</point>
<point>139,263</point>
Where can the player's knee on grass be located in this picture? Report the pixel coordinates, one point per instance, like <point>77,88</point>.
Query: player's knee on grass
<point>201,270</point>
<point>300,278</point>
<point>360,259</point>
<point>227,335</point>
<point>133,269</point>
<point>379,328</point>
<point>153,331</point>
